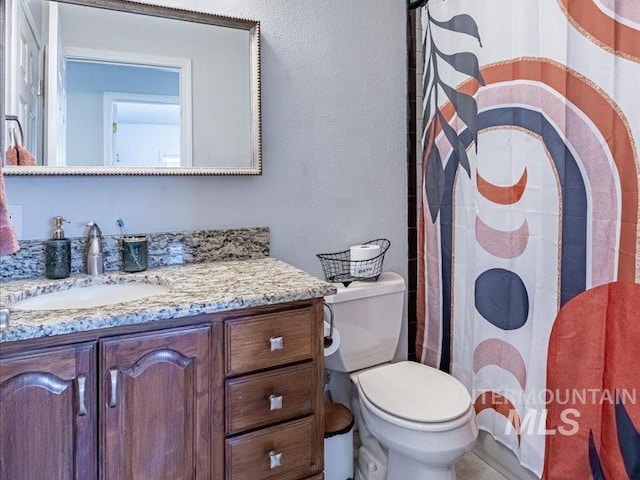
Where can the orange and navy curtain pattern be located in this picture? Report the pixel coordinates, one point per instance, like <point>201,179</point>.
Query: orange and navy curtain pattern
<point>529,266</point>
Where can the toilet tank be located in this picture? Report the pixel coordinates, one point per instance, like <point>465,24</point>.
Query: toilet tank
<point>368,316</point>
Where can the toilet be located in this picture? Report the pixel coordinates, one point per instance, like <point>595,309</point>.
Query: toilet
<point>414,422</point>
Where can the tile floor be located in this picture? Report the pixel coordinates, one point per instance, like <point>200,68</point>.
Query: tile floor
<point>471,467</point>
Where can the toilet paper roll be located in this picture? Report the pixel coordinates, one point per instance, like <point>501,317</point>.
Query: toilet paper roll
<point>335,339</point>
<point>358,253</point>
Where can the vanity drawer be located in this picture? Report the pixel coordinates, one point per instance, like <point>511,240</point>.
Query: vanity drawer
<point>264,341</point>
<point>265,398</point>
<point>285,452</point>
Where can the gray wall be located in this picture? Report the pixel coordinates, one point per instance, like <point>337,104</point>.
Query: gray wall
<point>334,138</point>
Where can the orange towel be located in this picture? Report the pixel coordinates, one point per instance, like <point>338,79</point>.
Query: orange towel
<point>25,158</point>
<point>11,156</point>
<point>18,155</point>
<point>8,241</point>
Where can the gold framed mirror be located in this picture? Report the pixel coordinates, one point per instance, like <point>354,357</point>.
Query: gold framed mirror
<point>113,87</point>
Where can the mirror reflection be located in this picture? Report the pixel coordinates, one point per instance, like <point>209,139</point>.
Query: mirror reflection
<point>97,88</point>
<point>123,115</point>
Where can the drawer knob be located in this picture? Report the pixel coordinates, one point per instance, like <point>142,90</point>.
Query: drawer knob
<point>277,343</point>
<point>275,402</point>
<point>275,459</point>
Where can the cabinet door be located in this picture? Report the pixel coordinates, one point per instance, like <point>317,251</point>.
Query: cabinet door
<point>156,403</point>
<point>48,415</point>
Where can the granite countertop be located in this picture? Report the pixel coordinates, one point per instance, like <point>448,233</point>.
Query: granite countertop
<point>193,289</point>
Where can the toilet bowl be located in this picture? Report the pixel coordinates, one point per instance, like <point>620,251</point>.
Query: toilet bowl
<point>414,422</point>
<point>422,416</point>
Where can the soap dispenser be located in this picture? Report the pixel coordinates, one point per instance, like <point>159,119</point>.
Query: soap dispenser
<point>57,253</point>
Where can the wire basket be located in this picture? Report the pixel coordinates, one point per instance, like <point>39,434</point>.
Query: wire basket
<point>339,268</point>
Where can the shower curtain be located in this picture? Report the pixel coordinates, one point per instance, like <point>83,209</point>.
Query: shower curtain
<point>529,263</point>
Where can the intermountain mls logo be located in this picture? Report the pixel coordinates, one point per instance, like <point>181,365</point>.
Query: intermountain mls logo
<point>534,420</point>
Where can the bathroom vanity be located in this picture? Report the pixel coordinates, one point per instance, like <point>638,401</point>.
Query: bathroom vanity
<point>219,378</point>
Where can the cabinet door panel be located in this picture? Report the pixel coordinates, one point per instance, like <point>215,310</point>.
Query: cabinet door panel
<point>48,415</point>
<point>156,406</point>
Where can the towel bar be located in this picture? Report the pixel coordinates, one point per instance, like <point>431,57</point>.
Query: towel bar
<point>14,118</point>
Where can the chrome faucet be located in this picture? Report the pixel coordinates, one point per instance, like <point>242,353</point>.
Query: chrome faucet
<point>94,258</point>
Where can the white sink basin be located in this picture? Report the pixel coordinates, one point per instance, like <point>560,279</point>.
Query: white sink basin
<point>90,296</point>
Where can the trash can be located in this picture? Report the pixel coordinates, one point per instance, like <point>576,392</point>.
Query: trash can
<point>338,442</point>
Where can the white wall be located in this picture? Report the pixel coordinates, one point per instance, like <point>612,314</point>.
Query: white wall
<point>334,138</point>
<point>143,144</point>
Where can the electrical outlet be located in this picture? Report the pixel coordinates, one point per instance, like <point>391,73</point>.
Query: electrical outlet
<point>15,217</point>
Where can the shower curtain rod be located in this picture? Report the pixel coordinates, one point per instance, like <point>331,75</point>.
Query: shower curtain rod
<point>413,4</point>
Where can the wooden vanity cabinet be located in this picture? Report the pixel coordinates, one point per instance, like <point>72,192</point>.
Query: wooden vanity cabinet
<point>129,407</point>
<point>230,396</point>
<point>155,406</point>
<point>274,395</point>
<point>48,415</point>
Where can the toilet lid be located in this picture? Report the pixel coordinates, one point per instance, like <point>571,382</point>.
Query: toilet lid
<point>415,392</point>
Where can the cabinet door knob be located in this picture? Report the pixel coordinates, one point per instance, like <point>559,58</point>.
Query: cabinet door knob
<point>277,343</point>
<point>82,406</point>
<point>275,459</point>
<point>275,402</point>
<point>113,398</point>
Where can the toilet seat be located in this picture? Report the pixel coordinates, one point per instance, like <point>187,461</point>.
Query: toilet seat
<point>415,396</point>
<point>466,418</point>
